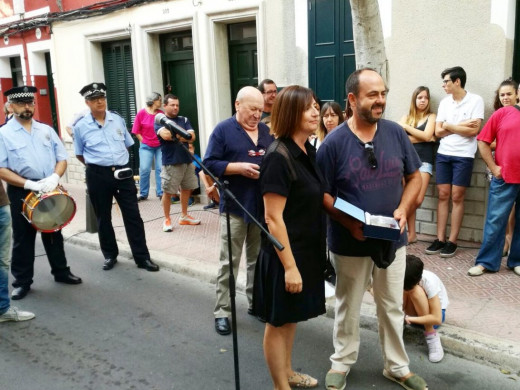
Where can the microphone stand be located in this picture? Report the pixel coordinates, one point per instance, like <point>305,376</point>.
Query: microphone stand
<point>229,196</point>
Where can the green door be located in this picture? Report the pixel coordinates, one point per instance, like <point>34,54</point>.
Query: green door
<point>243,67</point>
<point>119,79</point>
<point>331,48</point>
<point>179,75</point>
<point>243,62</point>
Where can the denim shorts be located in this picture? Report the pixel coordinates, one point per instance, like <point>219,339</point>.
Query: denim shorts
<point>454,170</point>
<point>426,168</point>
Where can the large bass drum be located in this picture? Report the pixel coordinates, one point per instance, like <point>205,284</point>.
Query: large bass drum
<point>49,212</point>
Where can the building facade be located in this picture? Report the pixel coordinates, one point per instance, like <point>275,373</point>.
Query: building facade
<point>205,50</point>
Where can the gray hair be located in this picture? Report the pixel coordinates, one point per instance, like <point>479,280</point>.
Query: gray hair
<point>152,98</point>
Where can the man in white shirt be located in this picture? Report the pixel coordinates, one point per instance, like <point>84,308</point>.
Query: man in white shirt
<point>458,123</point>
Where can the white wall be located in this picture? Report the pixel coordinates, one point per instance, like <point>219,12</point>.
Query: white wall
<point>425,38</point>
<point>281,43</point>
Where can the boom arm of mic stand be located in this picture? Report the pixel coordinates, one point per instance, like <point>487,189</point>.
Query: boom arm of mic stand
<point>222,187</point>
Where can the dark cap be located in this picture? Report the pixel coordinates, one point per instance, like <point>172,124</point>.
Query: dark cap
<point>24,93</point>
<point>93,90</point>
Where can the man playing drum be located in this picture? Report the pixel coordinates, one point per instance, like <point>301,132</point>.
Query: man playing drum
<point>32,158</point>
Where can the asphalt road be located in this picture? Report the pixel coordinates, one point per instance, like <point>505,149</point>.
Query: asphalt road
<point>131,329</point>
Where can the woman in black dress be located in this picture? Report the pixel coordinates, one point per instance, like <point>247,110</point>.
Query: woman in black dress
<point>289,284</point>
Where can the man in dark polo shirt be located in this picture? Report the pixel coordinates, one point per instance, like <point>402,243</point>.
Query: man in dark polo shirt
<point>178,170</point>
<point>235,151</point>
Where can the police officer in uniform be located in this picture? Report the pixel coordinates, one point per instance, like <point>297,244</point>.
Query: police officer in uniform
<point>100,142</point>
<point>32,158</point>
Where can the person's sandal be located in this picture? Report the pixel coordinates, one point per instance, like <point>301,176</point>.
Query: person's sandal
<point>335,380</point>
<point>415,382</point>
<point>302,381</point>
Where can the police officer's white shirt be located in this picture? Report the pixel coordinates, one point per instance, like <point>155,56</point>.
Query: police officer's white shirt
<point>106,145</point>
<point>32,155</point>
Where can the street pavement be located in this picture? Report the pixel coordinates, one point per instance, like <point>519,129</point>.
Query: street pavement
<point>127,329</point>
<point>482,321</point>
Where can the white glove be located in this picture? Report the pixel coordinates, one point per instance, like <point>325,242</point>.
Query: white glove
<point>33,185</point>
<point>50,182</point>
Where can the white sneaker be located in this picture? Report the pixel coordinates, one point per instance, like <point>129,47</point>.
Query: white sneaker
<point>188,220</point>
<point>14,314</point>
<point>435,351</point>
<point>167,225</point>
<point>476,270</point>
<point>516,270</point>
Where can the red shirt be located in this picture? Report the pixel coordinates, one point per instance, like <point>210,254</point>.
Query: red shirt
<point>504,127</point>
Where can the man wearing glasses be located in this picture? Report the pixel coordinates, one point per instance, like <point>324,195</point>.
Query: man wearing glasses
<point>101,140</point>
<point>32,158</point>
<point>457,125</point>
<point>364,162</point>
<point>269,92</point>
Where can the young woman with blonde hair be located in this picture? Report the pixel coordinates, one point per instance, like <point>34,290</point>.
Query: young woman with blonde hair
<point>419,124</point>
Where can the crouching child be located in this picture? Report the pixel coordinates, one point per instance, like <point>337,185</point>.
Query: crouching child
<point>424,303</point>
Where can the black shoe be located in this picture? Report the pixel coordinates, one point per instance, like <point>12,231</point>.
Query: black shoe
<point>449,249</point>
<point>211,205</point>
<point>222,326</point>
<point>20,292</point>
<point>68,278</point>
<point>435,247</point>
<point>109,263</point>
<point>141,197</point>
<point>259,318</point>
<point>149,265</point>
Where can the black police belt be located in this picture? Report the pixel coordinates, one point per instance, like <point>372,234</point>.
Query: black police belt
<point>121,172</point>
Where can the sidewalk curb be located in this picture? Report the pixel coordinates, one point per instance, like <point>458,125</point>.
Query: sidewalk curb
<point>463,343</point>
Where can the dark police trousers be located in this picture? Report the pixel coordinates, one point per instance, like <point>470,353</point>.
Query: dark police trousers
<point>24,236</point>
<point>102,186</point>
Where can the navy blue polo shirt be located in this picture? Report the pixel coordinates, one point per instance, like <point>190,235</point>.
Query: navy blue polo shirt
<point>175,152</point>
<point>343,161</point>
<point>229,142</point>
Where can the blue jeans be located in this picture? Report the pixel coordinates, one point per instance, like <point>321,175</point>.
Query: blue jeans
<point>146,156</point>
<point>501,198</point>
<point>5,245</point>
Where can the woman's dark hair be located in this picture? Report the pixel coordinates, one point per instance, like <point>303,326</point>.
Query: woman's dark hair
<point>288,109</point>
<point>506,83</point>
<point>322,130</point>
<point>413,273</point>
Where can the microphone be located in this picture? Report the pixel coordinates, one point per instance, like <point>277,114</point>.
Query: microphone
<point>161,119</point>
